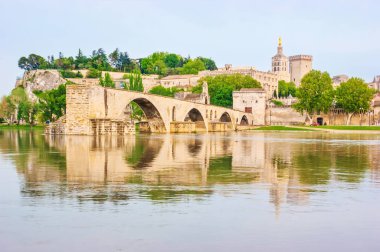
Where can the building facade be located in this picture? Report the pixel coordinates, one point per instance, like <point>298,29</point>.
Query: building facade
<point>251,100</point>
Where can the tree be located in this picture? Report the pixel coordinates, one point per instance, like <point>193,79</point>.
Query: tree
<point>80,60</point>
<point>26,112</point>
<point>93,73</point>
<point>135,82</point>
<point>193,67</point>
<point>354,96</point>
<point>7,109</point>
<point>209,63</point>
<point>160,90</point>
<point>52,103</point>
<point>315,94</point>
<point>286,88</point>
<point>172,60</point>
<point>220,87</point>
<point>107,81</point>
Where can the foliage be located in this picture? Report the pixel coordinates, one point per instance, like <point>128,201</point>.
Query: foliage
<point>220,87</point>
<point>315,93</point>
<point>161,63</point>
<point>107,81</point>
<point>7,108</point>
<point>160,90</point>
<point>277,103</point>
<point>193,67</point>
<point>286,88</point>
<point>93,73</point>
<point>52,103</point>
<point>32,62</point>
<point>135,82</point>
<point>209,63</point>
<point>354,96</point>
<point>70,74</point>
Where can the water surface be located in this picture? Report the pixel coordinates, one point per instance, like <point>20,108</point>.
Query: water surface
<point>245,191</point>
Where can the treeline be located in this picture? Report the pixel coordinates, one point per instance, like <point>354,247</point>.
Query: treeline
<point>161,63</point>
<point>17,108</point>
<point>316,94</point>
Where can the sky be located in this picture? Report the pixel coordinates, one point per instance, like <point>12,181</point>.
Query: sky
<point>342,36</point>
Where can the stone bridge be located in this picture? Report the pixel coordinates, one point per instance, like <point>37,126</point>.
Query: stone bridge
<point>95,110</point>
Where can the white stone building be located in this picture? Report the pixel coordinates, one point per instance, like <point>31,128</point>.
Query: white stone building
<point>251,100</point>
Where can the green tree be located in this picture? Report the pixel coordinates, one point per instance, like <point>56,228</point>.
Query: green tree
<point>7,109</point>
<point>93,73</point>
<point>193,67</point>
<point>354,96</point>
<point>315,94</point>
<point>80,60</point>
<point>286,88</point>
<point>135,82</point>
<point>160,90</point>
<point>107,81</point>
<point>172,60</point>
<point>220,87</point>
<point>209,63</point>
<point>26,112</point>
<point>52,103</point>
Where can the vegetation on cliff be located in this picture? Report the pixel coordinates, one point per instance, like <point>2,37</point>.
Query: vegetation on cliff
<point>161,63</point>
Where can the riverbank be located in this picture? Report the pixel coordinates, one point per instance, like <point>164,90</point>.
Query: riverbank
<point>331,129</point>
<point>23,127</point>
<point>282,128</point>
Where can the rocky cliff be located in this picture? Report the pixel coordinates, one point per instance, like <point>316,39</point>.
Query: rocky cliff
<point>40,80</point>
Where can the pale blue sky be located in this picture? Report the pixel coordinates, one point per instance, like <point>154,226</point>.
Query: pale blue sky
<point>343,36</point>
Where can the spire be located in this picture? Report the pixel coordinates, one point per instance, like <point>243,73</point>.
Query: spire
<point>279,41</point>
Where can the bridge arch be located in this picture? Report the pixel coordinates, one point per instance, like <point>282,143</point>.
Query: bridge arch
<point>194,115</point>
<point>244,120</point>
<point>225,117</point>
<point>154,121</point>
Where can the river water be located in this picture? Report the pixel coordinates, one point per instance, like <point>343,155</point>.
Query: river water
<point>244,191</point>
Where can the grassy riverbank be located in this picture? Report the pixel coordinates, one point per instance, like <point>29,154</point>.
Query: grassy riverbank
<point>23,127</point>
<point>282,128</point>
<point>349,127</point>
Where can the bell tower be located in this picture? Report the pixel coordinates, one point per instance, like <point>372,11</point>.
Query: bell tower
<point>280,63</point>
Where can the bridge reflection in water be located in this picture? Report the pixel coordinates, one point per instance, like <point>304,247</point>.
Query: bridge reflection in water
<point>291,166</point>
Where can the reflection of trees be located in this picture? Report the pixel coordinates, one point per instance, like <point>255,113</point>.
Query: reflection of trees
<point>351,163</point>
<point>313,168</point>
<point>220,171</point>
<point>143,152</point>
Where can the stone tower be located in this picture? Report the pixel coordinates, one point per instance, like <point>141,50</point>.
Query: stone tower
<point>280,63</point>
<point>299,66</point>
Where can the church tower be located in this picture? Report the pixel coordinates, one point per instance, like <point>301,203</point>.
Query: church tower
<point>280,63</point>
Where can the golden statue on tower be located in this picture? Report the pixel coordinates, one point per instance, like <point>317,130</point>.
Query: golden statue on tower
<point>279,41</point>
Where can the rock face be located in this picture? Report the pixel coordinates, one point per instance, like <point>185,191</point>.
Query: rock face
<point>40,80</point>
